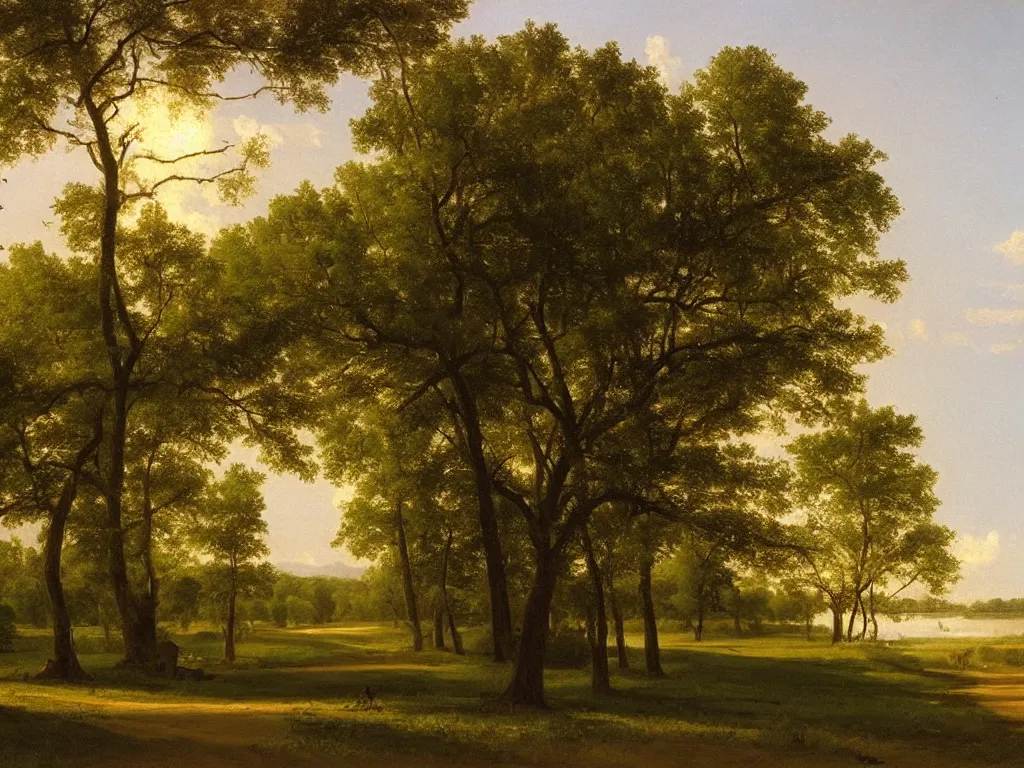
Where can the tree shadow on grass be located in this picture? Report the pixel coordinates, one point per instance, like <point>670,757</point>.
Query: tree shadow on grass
<point>28,740</point>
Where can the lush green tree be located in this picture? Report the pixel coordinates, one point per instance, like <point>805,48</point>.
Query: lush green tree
<point>614,254</point>
<point>323,603</point>
<point>51,426</point>
<point>75,72</point>
<point>396,468</point>
<point>869,503</point>
<point>184,601</point>
<point>701,575</point>
<point>231,531</point>
<point>299,611</point>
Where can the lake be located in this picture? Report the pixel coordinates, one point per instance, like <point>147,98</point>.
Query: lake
<point>946,626</point>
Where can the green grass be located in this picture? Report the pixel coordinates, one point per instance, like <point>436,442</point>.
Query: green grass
<point>780,696</point>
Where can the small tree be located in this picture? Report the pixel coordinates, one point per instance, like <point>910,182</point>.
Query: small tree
<point>323,603</point>
<point>869,503</point>
<point>183,601</point>
<point>231,532</point>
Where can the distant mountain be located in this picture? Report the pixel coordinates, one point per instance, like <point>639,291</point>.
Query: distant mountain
<point>338,570</point>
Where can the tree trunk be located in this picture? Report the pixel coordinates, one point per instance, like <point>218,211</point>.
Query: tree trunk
<point>808,625</point>
<point>652,653</point>
<point>737,628</point>
<point>863,618</point>
<point>452,629</point>
<point>698,628</point>
<point>64,665</point>
<point>229,636</point>
<point>497,582</point>
<point>837,625</point>
<point>439,626</point>
<point>853,618</point>
<point>874,618</point>
<point>600,681</point>
<point>527,686</point>
<point>407,583</point>
<point>620,629</point>
<point>114,317</point>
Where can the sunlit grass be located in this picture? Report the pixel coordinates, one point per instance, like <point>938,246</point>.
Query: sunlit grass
<point>293,694</point>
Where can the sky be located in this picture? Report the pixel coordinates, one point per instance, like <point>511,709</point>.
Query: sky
<point>936,85</point>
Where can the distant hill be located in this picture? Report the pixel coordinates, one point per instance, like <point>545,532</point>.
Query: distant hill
<point>338,570</point>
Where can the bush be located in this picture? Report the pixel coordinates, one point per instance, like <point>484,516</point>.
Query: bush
<point>300,611</point>
<point>961,659</point>
<point>567,649</point>
<point>279,613</point>
<point>7,629</point>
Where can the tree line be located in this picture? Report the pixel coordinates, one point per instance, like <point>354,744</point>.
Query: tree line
<point>535,327</point>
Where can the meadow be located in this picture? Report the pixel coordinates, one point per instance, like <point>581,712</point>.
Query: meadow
<point>293,699</point>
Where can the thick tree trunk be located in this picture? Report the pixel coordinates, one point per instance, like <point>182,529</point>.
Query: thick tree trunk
<point>407,582</point>
<point>652,653</point>
<point>808,625</point>
<point>620,628</point>
<point>452,629</point>
<point>698,628</point>
<point>64,665</point>
<point>600,680</point>
<point>527,686</point>
<point>497,582</point>
<point>837,625</point>
<point>123,350</point>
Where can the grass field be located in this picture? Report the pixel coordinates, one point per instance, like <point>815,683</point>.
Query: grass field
<point>291,700</point>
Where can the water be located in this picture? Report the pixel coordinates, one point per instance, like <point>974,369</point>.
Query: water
<point>947,626</point>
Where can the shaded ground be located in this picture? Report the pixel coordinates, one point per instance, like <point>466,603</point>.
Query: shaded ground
<point>291,701</point>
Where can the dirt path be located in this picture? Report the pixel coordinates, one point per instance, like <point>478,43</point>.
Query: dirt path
<point>999,692</point>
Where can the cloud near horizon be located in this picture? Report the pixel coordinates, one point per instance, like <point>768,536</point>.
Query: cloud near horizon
<point>1012,249</point>
<point>973,550</point>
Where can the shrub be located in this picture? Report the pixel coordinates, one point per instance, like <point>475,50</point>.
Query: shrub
<point>300,611</point>
<point>961,659</point>
<point>1014,657</point>
<point>279,613</point>
<point>567,649</point>
<point>7,629</point>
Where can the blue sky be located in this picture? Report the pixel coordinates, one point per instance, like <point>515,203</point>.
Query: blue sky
<point>938,86</point>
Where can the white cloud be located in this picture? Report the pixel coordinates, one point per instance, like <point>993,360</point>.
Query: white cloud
<point>958,339</point>
<point>1013,290</point>
<point>990,316</point>
<point>973,550</point>
<point>297,134</point>
<point>247,128</point>
<point>659,56</point>
<point>1012,249</point>
<point>1003,348</point>
<point>918,329</point>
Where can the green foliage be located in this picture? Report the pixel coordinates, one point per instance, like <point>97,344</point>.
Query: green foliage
<point>183,601</point>
<point>279,613</point>
<point>869,503</point>
<point>8,631</point>
<point>300,612</point>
